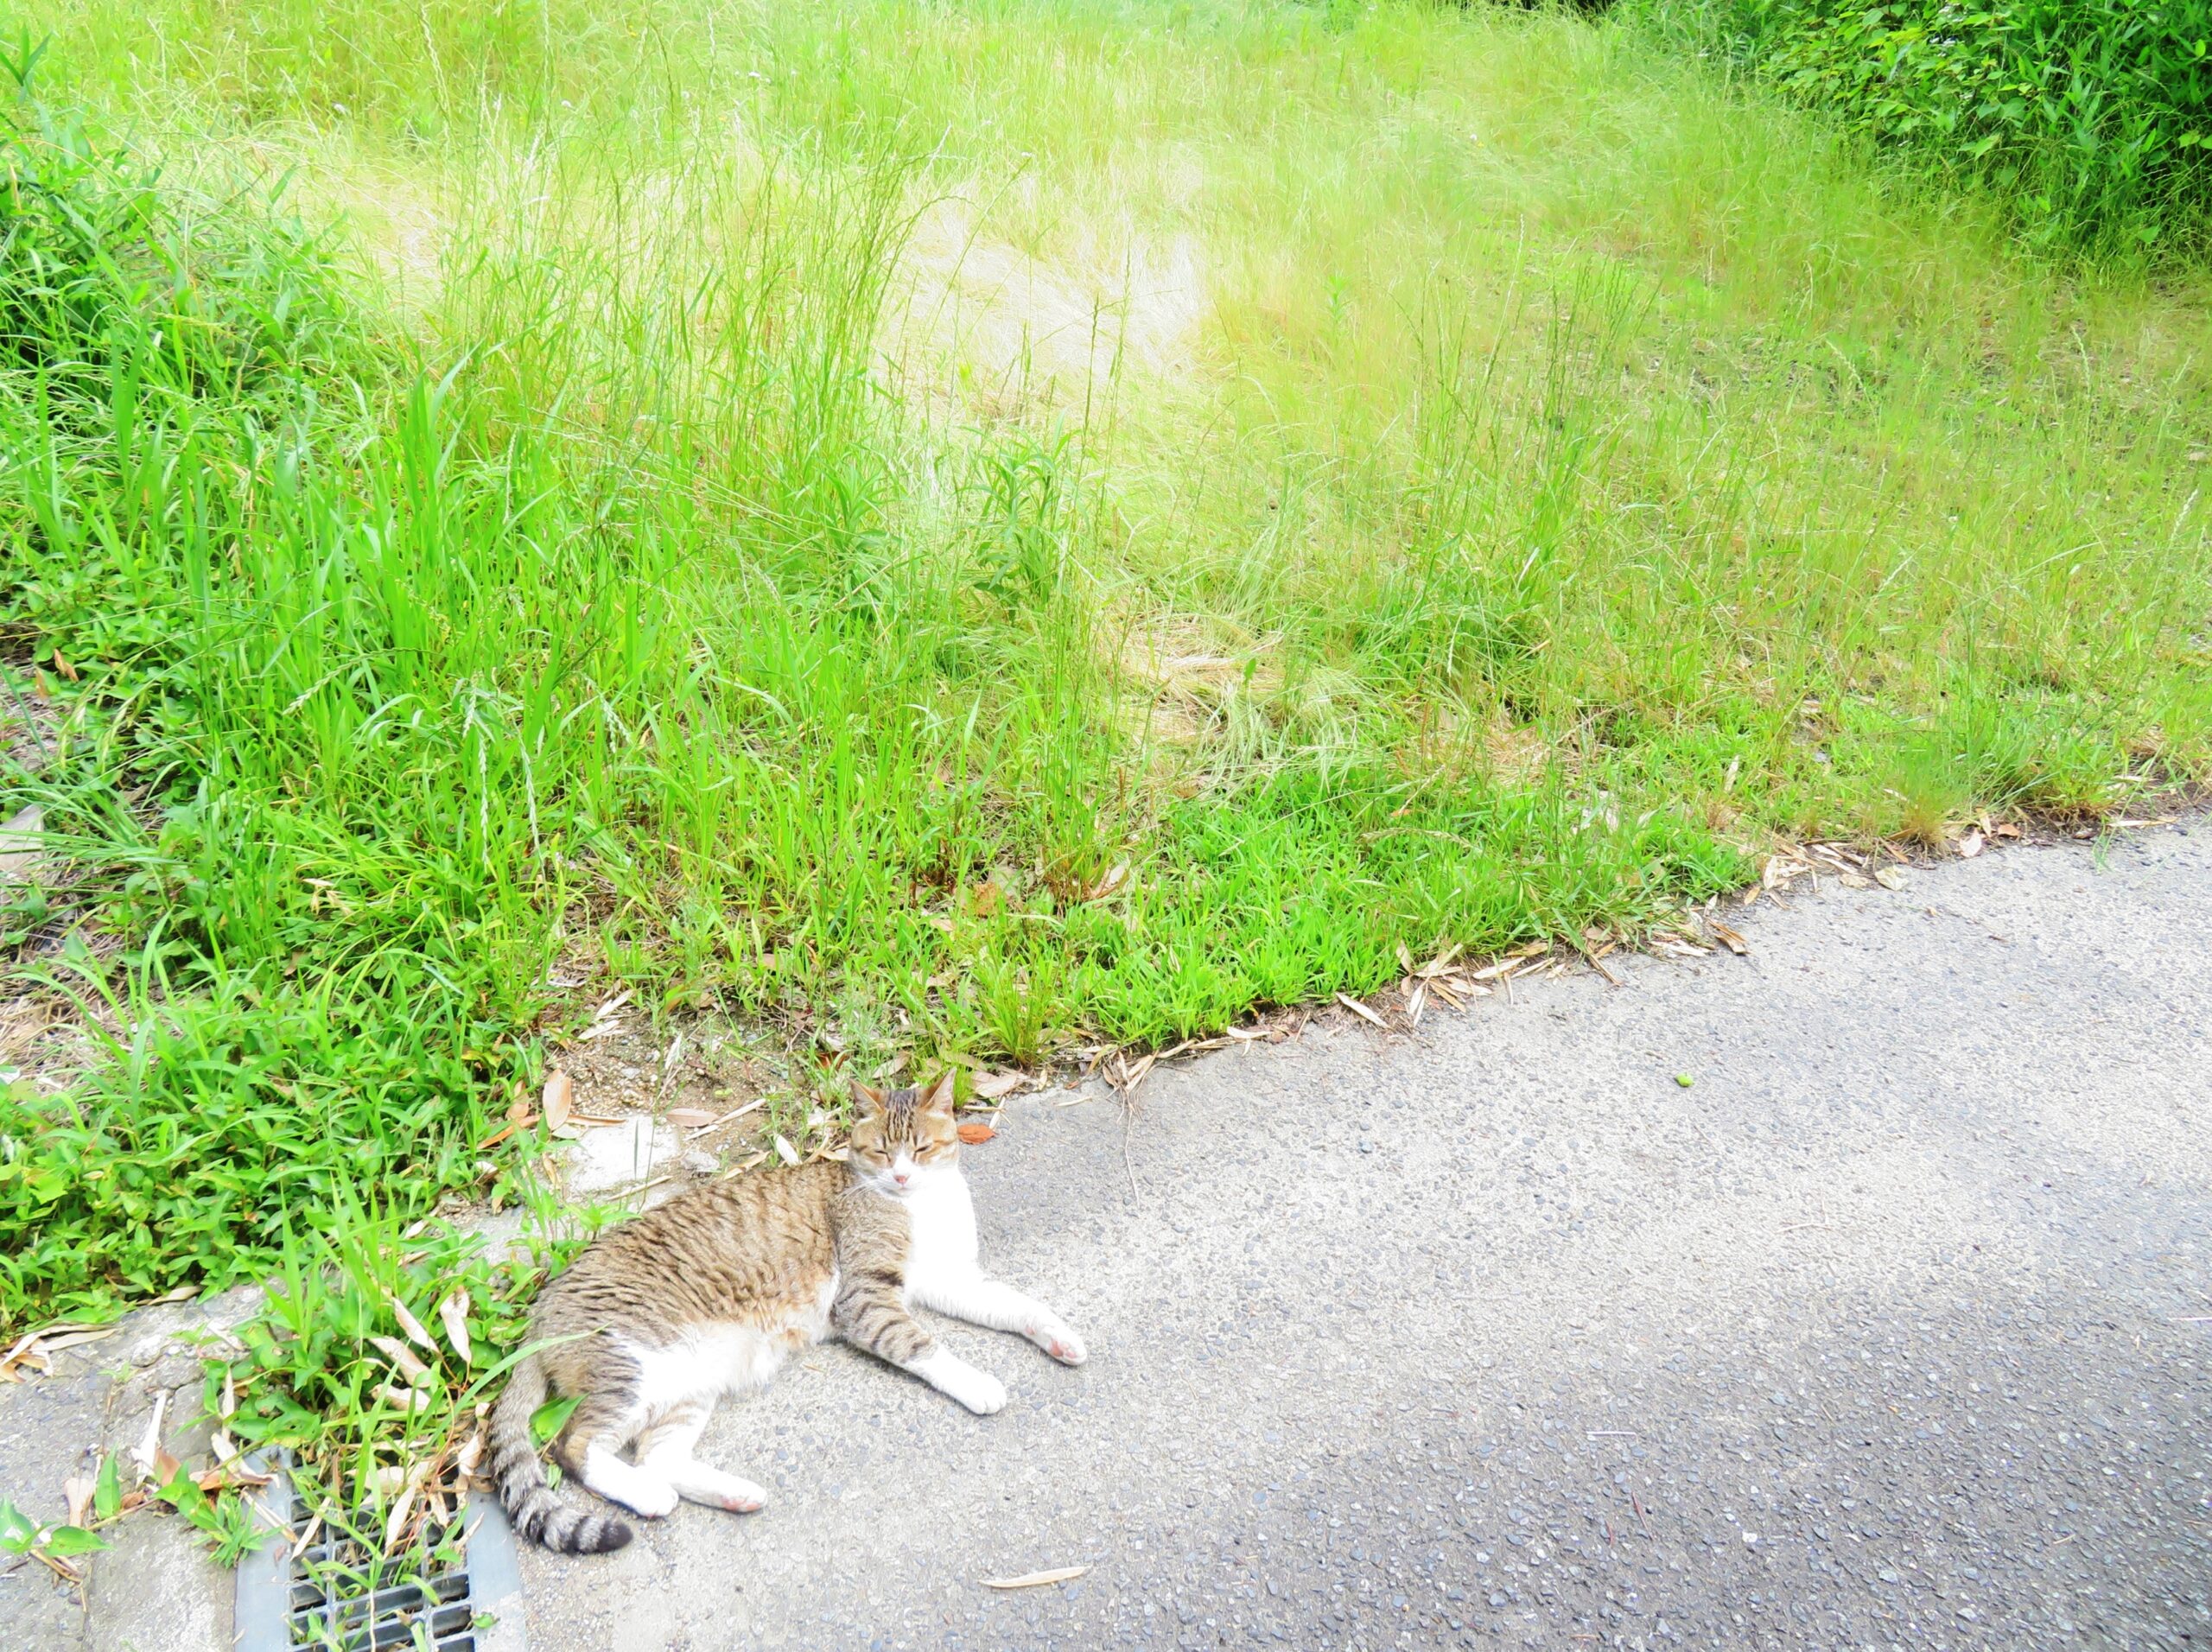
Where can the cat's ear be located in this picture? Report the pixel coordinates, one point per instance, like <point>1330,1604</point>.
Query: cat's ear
<point>866,1097</point>
<point>939,1098</point>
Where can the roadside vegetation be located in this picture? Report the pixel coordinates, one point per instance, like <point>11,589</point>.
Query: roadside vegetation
<point>973,530</point>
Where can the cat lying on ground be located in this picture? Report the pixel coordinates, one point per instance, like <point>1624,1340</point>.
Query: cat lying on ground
<point>708,1294</point>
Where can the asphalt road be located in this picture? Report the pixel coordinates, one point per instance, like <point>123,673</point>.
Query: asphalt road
<point>1893,1328</point>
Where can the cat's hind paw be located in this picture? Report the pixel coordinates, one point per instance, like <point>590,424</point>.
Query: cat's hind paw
<point>1065,1346</point>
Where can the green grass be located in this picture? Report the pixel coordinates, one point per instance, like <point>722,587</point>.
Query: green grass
<point>775,507</point>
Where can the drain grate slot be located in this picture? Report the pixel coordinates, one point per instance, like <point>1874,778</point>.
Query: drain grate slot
<point>326,1590</point>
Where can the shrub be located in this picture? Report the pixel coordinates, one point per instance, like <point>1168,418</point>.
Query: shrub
<point>2092,118</point>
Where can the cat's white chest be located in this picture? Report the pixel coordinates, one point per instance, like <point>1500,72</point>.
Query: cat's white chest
<point>941,1231</point>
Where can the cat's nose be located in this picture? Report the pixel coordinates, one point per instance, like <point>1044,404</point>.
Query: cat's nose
<point>899,1177</point>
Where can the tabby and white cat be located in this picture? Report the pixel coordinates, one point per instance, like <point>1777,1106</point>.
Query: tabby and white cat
<point>708,1294</point>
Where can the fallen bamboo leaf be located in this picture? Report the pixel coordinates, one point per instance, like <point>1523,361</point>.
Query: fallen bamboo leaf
<point>1108,885</point>
<point>453,1314</point>
<point>976,1132</point>
<point>1437,965</point>
<point>406,1400</point>
<point>1727,937</point>
<point>689,1118</point>
<point>471,1453</point>
<point>413,1327</point>
<point>786,1151</point>
<point>1037,1579</point>
<point>401,1355</point>
<point>1361,1011</point>
<point>77,1494</point>
<point>992,1086</point>
<point>560,1097</point>
<point>182,1293</point>
<point>397,1517</point>
<point>1598,963</point>
<point>147,1451</point>
<point>1405,958</point>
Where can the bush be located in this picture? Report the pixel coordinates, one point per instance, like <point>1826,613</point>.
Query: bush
<point>2092,118</point>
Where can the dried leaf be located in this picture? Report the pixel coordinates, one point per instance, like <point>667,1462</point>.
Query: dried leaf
<point>77,1493</point>
<point>63,666</point>
<point>453,1314</point>
<point>689,1118</point>
<point>560,1097</point>
<point>409,1400</point>
<point>986,899</point>
<point>1108,884</point>
<point>1727,937</point>
<point>976,1132</point>
<point>1891,877</point>
<point>148,1451</point>
<point>1361,1011</point>
<point>2005,829</point>
<point>1036,1580</point>
<point>521,1110</point>
<point>400,1355</point>
<point>413,1327</point>
<point>397,1517</point>
<point>54,1338</point>
<point>1405,958</point>
<point>471,1453</point>
<point>166,1467</point>
<point>786,1151</point>
<point>1972,844</point>
<point>992,1086</point>
<point>1437,965</point>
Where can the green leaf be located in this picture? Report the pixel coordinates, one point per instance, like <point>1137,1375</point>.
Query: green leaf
<point>183,1494</point>
<point>18,1530</point>
<point>65,1540</point>
<point>107,1490</point>
<point>551,1417</point>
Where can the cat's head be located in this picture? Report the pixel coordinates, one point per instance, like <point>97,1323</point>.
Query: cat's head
<point>902,1138</point>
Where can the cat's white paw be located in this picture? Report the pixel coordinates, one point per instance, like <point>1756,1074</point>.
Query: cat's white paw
<point>1061,1343</point>
<point>981,1392</point>
<point>654,1499</point>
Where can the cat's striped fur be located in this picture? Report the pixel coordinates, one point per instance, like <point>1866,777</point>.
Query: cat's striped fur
<point>708,1294</point>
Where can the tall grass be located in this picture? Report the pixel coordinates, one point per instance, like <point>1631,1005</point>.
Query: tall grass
<point>1027,521</point>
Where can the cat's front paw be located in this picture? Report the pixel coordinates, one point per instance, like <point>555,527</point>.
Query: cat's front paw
<point>654,1499</point>
<point>981,1392</point>
<point>1062,1343</point>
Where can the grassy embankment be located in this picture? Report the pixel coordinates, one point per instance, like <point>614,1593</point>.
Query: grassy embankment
<point>983,525</point>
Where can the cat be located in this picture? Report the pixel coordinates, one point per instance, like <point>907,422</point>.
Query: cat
<point>708,1294</point>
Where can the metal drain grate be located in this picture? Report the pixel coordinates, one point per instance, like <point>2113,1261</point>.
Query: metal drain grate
<point>336,1593</point>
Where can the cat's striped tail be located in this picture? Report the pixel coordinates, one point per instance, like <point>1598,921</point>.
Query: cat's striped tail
<point>539,1514</point>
